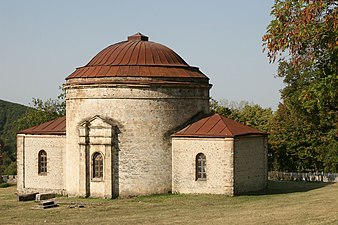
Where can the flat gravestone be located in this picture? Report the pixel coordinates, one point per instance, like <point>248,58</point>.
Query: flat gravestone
<point>44,196</point>
<point>47,204</point>
<point>27,197</point>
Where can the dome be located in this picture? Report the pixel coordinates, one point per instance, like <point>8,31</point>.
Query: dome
<point>137,57</point>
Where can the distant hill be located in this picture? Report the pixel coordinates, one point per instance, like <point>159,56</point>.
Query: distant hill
<point>9,113</point>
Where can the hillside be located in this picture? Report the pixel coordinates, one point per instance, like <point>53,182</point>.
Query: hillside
<point>9,113</point>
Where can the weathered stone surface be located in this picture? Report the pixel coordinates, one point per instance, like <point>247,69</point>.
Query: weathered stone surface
<point>233,165</point>
<point>138,155</point>
<point>251,172</point>
<point>28,178</point>
<point>47,204</point>
<point>129,120</point>
<point>219,165</point>
<point>76,205</point>
<point>26,197</point>
<point>44,196</point>
<point>130,126</point>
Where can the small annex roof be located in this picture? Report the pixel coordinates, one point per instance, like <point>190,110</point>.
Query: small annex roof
<point>54,127</point>
<point>217,126</point>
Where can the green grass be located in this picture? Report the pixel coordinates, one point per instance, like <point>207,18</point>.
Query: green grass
<point>4,185</point>
<point>281,203</point>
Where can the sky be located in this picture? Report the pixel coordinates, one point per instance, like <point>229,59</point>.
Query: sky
<point>43,41</point>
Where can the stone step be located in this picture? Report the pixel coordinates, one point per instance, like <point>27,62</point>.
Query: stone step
<point>27,197</point>
<point>47,204</point>
<point>44,196</point>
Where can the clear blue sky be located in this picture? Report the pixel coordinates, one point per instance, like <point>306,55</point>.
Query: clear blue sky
<point>42,42</point>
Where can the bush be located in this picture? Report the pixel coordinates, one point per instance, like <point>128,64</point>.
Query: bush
<point>10,169</point>
<point>4,185</point>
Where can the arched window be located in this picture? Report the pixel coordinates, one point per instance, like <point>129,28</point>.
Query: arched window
<point>97,165</point>
<point>42,162</point>
<point>201,172</point>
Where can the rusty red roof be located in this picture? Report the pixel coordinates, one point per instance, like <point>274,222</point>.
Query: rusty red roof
<point>216,126</point>
<point>56,127</point>
<point>137,57</point>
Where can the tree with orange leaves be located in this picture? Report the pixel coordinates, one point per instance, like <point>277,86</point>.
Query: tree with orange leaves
<point>303,38</point>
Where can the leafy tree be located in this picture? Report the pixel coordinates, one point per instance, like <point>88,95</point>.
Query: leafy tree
<point>14,117</point>
<point>9,113</point>
<point>303,36</point>
<point>295,145</point>
<point>303,39</point>
<point>43,111</point>
<point>10,169</point>
<point>216,107</point>
<point>253,115</point>
<point>244,112</point>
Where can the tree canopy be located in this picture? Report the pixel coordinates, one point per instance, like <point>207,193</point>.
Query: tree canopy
<point>303,38</point>
<point>43,111</point>
<point>14,117</point>
<point>250,114</point>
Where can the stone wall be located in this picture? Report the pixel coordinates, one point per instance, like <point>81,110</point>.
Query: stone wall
<point>308,176</point>
<point>28,147</point>
<point>250,164</point>
<point>97,136</point>
<point>219,165</point>
<point>145,116</point>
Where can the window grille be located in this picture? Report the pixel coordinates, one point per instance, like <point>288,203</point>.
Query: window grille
<point>42,162</point>
<point>97,165</point>
<point>201,172</point>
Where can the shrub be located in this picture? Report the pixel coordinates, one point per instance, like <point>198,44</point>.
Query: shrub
<point>4,185</point>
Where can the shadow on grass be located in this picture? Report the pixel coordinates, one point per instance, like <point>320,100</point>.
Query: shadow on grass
<point>285,187</point>
<point>5,185</point>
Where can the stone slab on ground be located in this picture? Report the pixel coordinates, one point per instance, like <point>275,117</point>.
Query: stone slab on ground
<point>44,196</point>
<point>27,197</point>
<point>46,204</point>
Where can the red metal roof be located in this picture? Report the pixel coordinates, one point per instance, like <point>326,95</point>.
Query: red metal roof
<point>137,57</point>
<point>216,126</point>
<point>56,126</point>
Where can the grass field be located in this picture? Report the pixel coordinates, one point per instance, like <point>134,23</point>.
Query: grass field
<point>281,203</point>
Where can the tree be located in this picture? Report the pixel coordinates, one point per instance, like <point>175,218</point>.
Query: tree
<point>1,144</point>
<point>303,39</point>
<point>253,115</point>
<point>43,111</point>
<point>216,107</point>
<point>244,112</point>
<point>295,145</point>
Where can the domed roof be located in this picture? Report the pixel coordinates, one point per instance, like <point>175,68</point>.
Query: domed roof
<point>137,57</point>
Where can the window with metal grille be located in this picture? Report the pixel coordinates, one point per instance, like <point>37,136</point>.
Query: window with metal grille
<point>201,172</point>
<point>97,165</point>
<point>42,162</point>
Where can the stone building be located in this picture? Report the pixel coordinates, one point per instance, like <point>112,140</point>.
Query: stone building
<point>119,136</point>
<point>232,157</point>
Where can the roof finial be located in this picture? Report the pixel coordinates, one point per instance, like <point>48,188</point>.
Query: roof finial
<point>138,36</point>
